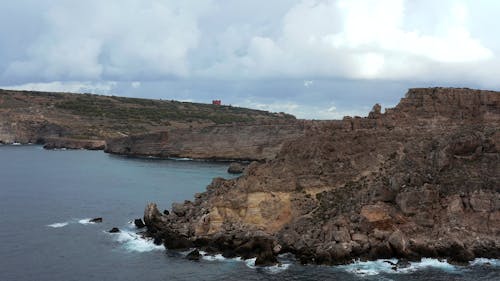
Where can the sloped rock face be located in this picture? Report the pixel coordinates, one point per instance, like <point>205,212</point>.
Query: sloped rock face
<point>421,180</point>
<point>236,141</point>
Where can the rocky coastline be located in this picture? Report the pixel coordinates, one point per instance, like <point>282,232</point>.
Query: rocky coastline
<point>244,142</point>
<point>420,180</point>
<point>86,121</point>
<point>68,143</point>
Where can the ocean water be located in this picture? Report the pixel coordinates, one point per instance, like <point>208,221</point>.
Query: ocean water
<point>47,197</point>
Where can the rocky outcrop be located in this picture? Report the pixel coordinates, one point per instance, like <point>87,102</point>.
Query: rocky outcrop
<point>420,180</point>
<point>114,230</point>
<point>235,141</point>
<point>236,168</point>
<point>57,143</point>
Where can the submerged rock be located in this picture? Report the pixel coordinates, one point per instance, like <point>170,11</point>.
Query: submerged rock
<point>114,230</point>
<point>96,220</point>
<point>194,255</point>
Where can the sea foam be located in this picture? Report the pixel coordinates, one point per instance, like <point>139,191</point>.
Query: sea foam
<point>250,263</point>
<point>134,242</point>
<point>58,224</point>
<point>485,262</point>
<point>72,221</point>
<point>85,221</point>
<point>384,266</point>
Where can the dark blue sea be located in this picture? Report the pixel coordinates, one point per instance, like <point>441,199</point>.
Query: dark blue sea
<point>47,197</point>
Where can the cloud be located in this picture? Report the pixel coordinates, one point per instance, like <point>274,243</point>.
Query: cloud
<point>306,111</point>
<point>313,58</point>
<point>134,40</point>
<point>356,39</point>
<point>65,86</point>
<point>110,40</point>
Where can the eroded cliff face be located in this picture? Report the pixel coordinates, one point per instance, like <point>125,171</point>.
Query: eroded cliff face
<point>85,120</point>
<point>236,141</point>
<point>421,180</point>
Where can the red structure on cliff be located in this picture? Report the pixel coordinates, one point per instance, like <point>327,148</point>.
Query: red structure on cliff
<point>216,102</point>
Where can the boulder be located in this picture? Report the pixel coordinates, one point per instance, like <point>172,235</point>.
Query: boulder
<point>114,230</point>
<point>179,209</point>
<point>139,223</point>
<point>398,243</point>
<point>194,255</point>
<point>236,168</point>
<point>259,247</point>
<point>152,217</point>
<point>96,220</point>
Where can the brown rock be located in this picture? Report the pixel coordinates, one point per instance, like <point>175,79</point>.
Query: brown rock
<point>398,242</point>
<point>419,180</point>
<point>236,168</point>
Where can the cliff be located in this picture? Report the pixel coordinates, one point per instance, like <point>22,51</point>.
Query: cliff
<point>40,116</point>
<point>420,180</point>
<point>235,141</point>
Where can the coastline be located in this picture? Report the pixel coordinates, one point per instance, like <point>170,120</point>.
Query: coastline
<point>419,181</point>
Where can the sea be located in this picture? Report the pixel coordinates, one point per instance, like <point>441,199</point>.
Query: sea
<point>48,196</point>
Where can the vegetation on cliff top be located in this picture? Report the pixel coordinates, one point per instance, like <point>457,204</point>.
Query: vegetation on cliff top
<point>97,117</point>
<point>135,109</point>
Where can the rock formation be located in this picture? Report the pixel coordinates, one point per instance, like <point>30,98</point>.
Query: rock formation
<point>55,143</point>
<point>420,180</point>
<point>235,141</point>
<point>236,168</point>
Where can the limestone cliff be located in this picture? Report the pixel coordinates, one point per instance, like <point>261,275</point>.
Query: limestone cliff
<point>420,180</point>
<point>85,121</point>
<point>235,141</point>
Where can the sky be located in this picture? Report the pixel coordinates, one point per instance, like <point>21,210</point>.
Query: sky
<point>316,59</point>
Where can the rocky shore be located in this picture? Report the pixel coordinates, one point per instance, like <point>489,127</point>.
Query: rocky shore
<point>58,143</point>
<point>420,180</point>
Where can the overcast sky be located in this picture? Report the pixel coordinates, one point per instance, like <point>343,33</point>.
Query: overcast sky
<point>319,59</point>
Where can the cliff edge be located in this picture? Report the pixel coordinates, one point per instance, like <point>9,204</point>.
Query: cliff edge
<point>420,180</point>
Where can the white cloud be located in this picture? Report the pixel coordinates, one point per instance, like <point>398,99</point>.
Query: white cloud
<point>357,39</point>
<point>306,111</point>
<point>135,84</point>
<point>308,83</point>
<point>126,40</point>
<point>66,86</point>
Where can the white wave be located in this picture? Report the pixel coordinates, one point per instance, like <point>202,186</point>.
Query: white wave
<point>277,268</point>
<point>485,261</point>
<point>16,143</point>
<point>433,263</point>
<point>134,242</point>
<point>85,221</point>
<point>216,257</point>
<point>58,224</point>
<point>250,263</point>
<point>180,159</point>
<point>384,266</point>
